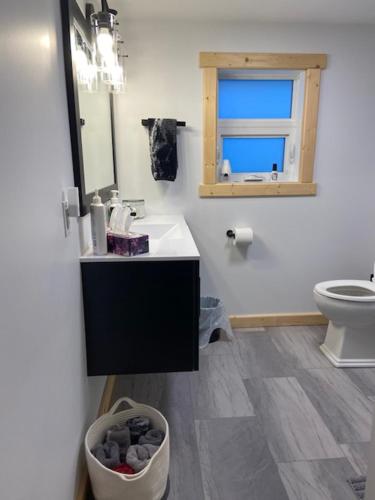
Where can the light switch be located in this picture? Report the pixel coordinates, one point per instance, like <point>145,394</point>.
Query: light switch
<point>70,207</point>
<point>73,202</point>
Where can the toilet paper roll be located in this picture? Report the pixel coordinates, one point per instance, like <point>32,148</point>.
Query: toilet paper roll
<point>243,236</point>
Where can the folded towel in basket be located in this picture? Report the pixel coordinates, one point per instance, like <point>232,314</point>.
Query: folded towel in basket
<point>120,434</point>
<point>124,469</point>
<point>108,454</point>
<point>138,456</point>
<point>153,436</point>
<point>138,426</point>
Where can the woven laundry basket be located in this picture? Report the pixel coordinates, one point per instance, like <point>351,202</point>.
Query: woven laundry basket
<point>148,484</point>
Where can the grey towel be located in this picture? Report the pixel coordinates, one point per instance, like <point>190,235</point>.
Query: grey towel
<point>138,456</point>
<point>108,454</point>
<point>163,148</point>
<point>138,426</point>
<point>120,434</point>
<point>153,436</point>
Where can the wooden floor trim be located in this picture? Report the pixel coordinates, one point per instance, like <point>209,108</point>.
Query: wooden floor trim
<point>277,319</point>
<point>105,405</point>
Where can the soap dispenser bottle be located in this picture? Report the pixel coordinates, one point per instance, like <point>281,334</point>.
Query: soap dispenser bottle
<point>115,201</point>
<point>98,225</point>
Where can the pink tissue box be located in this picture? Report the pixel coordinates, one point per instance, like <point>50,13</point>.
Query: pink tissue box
<point>127,244</point>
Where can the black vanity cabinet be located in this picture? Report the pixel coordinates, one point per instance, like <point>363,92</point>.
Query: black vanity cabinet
<point>141,316</point>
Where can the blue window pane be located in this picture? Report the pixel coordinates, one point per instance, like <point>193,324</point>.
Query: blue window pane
<point>255,98</point>
<point>254,154</point>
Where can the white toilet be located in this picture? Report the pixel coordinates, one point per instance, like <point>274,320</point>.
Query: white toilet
<point>349,305</point>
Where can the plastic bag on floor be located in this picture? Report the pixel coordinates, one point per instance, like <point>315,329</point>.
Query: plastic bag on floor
<point>212,317</point>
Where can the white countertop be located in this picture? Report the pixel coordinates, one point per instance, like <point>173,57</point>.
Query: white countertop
<point>169,239</point>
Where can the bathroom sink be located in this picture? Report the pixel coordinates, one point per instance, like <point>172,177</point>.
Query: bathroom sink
<point>154,231</point>
<point>169,239</point>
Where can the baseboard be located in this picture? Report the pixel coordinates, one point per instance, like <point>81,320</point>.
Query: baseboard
<point>277,319</point>
<point>105,405</point>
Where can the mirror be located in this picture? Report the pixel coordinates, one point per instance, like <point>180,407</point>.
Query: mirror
<point>90,106</point>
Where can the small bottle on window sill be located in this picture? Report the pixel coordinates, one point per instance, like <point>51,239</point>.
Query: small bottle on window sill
<point>226,170</point>
<point>275,173</point>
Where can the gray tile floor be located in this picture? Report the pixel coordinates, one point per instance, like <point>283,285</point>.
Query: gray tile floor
<point>265,418</point>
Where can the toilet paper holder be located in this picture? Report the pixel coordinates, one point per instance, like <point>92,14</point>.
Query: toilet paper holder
<point>241,235</point>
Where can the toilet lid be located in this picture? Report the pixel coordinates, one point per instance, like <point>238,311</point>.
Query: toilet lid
<point>354,290</point>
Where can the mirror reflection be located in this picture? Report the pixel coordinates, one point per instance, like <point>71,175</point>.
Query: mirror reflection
<point>95,112</point>
<point>94,56</point>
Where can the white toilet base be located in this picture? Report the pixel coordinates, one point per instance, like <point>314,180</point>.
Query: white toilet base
<point>350,346</point>
<point>346,363</point>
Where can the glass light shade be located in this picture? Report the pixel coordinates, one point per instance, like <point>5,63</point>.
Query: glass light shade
<point>92,78</point>
<point>86,71</point>
<point>118,79</point>
<point>80,58</point>
<point>82,66</point>
<point>104,42</point>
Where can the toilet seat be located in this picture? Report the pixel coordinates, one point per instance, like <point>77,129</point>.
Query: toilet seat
<point>353,290</point>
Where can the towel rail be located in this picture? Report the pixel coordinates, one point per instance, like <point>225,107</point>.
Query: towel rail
<point>150,121</point>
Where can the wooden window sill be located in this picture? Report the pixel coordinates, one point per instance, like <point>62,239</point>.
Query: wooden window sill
<point>244,189</point>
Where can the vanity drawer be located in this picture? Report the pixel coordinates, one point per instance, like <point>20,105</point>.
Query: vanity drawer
<point>141,317</point>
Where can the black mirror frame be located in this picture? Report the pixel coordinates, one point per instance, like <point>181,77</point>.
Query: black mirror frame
<point>69,11</point>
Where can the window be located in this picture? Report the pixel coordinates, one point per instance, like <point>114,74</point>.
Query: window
<point>245,94</point>
<point>259,122</point>
<point>260,113</point>
<point>254,154</point>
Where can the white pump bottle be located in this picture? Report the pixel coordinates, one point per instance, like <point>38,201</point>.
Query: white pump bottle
<point>98,225</point>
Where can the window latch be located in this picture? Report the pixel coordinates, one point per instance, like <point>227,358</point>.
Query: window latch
<point>292,153</point>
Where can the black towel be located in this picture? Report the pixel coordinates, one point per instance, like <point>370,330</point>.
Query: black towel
<point>163,148</point>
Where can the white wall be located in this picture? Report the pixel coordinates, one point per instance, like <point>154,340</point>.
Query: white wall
<point>46,399</point>
<point>299,241</point>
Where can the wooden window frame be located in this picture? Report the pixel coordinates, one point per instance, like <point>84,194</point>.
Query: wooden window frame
<point>211,62</point>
